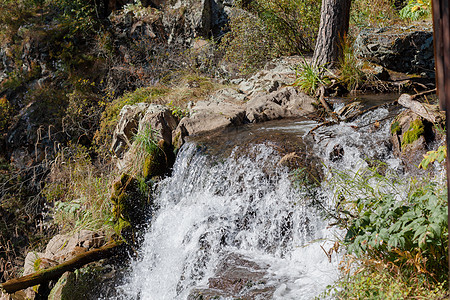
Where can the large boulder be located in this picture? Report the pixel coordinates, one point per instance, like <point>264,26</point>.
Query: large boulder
<point>236,277</point>
<point>402,49</point>
<point>285,103</point>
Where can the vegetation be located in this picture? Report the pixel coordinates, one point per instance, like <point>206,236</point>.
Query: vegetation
<point>79,192</point>
<point>267,29</point>
<point>416,9</point>
<point>395,234</point>
<point>309,78</point>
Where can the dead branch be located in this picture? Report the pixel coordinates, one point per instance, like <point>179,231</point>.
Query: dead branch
<point>53,273</point>
<point>427,111</point>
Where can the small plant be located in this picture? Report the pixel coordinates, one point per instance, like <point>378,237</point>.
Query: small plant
<point>350,68</point>
<point>309,77</point>
<point>5,113</point>
<point>439,155</point>
<point>416,9</point>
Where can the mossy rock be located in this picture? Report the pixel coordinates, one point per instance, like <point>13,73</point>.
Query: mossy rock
<point>415,131</point>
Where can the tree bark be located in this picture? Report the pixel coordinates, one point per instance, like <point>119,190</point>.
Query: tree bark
<point>43,276</point>
<point>334,22</point>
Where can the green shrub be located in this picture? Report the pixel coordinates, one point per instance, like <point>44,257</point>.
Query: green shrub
<point>416,9</point>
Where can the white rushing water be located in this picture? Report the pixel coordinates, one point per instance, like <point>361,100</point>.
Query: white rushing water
<point>245,206</point>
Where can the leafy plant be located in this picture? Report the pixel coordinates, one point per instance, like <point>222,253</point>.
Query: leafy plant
<point>408,230</point>
<point>416,9</point>
<point>439,155</point>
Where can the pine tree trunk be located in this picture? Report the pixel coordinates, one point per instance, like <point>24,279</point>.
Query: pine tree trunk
<point>334,22</point>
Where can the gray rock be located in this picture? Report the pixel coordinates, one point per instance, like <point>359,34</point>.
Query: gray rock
<point>222,109</point>
<point>407,50</point>
<point>135,117</point>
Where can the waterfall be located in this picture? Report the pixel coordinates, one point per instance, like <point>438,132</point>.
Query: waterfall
<point>231,227</point>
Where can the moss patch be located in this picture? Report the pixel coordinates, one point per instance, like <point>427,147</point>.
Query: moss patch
<point>416,129</point>
<point>395,128</point>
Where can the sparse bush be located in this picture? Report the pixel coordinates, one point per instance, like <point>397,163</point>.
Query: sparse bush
<point>373,13</point>
<point>5,113</point>
<point>293,24</point>
<point>270,29</point>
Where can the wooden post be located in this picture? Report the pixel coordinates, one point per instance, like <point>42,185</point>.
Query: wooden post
<point>441,30</point>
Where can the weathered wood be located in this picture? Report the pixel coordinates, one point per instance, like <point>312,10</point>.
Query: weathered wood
<point>53,273</point>
<point>334,22</point>
<point>427,111</point>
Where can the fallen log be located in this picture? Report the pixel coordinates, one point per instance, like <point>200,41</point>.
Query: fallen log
<point>427,111</point>
<point>53,273</point>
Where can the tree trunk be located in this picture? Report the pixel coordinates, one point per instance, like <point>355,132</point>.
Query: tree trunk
<point>334,22</point>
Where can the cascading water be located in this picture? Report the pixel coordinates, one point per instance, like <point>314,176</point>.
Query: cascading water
<point>235,227</point>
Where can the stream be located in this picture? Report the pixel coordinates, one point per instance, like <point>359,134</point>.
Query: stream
<point>230,224</point>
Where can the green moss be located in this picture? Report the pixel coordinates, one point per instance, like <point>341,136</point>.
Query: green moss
<point>395,128</point>
<point>416,129</point>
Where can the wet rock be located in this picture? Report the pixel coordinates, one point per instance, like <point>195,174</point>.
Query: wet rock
<point>401,49</point>
<point>131,207</point>
<point>285,103</point>
<point>236,277</point>
<point>337,153</point>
